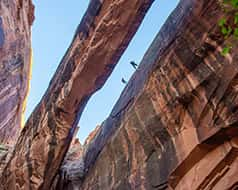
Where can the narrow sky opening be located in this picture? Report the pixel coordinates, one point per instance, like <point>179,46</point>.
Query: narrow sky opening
<point>101,104</point>
<point>52,33</point>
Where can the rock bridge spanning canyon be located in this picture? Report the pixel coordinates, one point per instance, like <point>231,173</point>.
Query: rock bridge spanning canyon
<point>175,125</point>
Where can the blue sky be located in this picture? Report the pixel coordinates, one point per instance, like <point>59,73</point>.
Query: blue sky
<point>52,33</point>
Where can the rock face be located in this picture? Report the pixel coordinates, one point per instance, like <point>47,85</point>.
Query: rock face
<point>100,40</point>
<point>72,170</point>
<point>16,18</point>
<point>5,154</point>
<point>175,124</point>
<point>92,136</point>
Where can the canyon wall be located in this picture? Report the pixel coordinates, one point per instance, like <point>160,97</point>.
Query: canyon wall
<point>16,18</point>
<point>102,36</point>
<point>173,127</point>
<point>175,124</point>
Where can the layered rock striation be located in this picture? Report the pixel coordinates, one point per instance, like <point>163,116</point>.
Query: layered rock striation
<point>175,124</point>
<point>16,18</point>
<point>102,36</point>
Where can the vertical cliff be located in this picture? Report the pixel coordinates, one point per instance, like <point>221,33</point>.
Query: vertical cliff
<point>175,124</point>
<point>16,17</point>
<point>102,36</point>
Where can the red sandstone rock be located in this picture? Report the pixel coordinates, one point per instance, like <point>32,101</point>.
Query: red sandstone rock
<point>16,18</point>
<point>175,124</point>
<point>101,38</point>
<point>72,170</point>
<point>5,153</point>
<point>92,136</point>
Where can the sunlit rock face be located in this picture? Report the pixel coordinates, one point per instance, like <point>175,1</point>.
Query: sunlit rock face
<point>16,17</point>
<point>100,39</point>
<point>175,124</point>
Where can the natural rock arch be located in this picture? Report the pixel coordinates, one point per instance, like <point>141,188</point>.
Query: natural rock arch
<point>177,113</point>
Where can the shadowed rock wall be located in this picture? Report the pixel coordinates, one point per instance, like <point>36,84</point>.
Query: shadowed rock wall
<point>102,36</point>
<point>175,124</point>
<point>16,18</point>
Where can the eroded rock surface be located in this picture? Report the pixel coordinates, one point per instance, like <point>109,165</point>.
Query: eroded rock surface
<point>16,18</point>
<point>175,124</point>
<point>101,38</point>
<point>72,170</point>
<point>5,154</point>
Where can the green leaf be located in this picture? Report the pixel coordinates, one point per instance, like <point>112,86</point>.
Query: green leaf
<point>236,18</point>
<point>225,50</point>
<point>224,30</point>
<point>229,31</point>
<point>222,22</point>
<point>236,32</point>
<point>234,3</point>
